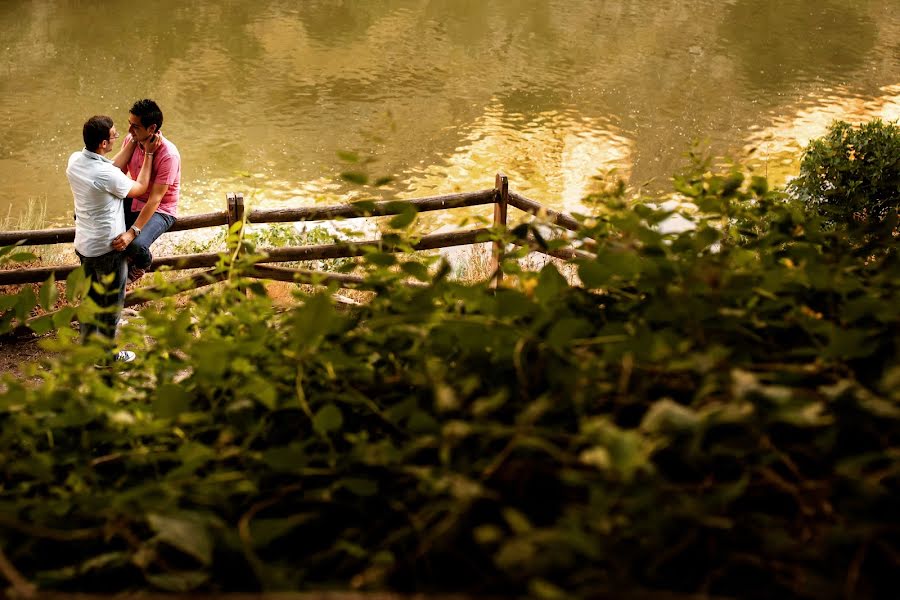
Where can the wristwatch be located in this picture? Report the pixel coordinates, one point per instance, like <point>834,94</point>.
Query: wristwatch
<point>137,230</point>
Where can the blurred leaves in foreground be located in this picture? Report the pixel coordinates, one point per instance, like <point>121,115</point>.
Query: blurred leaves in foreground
<point>714,410</point>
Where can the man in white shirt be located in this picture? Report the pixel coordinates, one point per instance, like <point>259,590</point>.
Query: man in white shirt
<point>98,187</point>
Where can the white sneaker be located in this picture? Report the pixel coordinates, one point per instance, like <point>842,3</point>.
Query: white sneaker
<point>125,356</point>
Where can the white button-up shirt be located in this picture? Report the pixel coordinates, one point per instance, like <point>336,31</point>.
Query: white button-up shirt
<point>98,187</point>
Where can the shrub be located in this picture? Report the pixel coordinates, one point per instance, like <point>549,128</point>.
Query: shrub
<point>714,410</point>
<point>853,173</point>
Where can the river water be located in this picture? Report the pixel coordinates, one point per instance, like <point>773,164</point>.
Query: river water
<point>266,96</point>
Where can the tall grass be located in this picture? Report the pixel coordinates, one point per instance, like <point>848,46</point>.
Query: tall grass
<point>34,216</point>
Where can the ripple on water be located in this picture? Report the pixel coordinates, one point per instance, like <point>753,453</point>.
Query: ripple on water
<point>779,146</point>
<point>552,157</point>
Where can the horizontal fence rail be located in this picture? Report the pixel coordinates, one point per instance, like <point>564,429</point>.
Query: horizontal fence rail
<point>42,237</point>
<point>538,209</point>
<point>377,209</point>
<point>273,255</point>
<point>499,196</point>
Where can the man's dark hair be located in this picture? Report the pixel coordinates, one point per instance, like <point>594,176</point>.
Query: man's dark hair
<point>148,112</point>
<point>96,129</point>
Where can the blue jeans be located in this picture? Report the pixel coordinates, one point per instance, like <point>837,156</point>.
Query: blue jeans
<point>110,297</point>
<point>139,249</point>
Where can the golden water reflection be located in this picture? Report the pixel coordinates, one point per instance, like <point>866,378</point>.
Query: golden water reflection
<point>777,148</point>
<point>261,95</point>
<point>551,157</point>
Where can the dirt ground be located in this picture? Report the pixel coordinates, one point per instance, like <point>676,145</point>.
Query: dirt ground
<point>15,352</point>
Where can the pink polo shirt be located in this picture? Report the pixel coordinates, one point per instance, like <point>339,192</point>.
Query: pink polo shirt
<point>166,170</point>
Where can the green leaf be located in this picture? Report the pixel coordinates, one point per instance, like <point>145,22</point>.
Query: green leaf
<point>22,257</point>
<point>355,177</point>
<point>405,218</point>
<point>417,270</point>
<point>365,207</point>
<point>328,419</point>
<point>6,250</point>
<point>353,549</point>
<point>266,531</point>
<point>803,414</point>
<point>170,401</point>
<point>347,156</point>
<point>63,316</point>
<point>550,283</point>
<point>316,319</point>
<point>666,415</point>
<point>360,487</point>
<point>42,324</point>
<point>849,344</point>
<point>565,331</point>
<point>178,581</point>
<point>381,259</point>
<point>25,303</point>
<point>593,275</point>
<point>7,302</point>
<point>515,554</point>
<point>48,293</point>
<point>263,392</point>
<point>422,422</point>
<point>707,236</point>
<point>195,454</point>
<point>187,535</point>
<point>543,589</point>
<point>487,534</point>
<point>285,459</point>
<point>759,185</point>
<point>517,521</point>
<point>95,563</point>
<point>76,285</point>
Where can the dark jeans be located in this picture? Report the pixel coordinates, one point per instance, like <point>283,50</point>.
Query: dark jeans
<point>139,250</point>
<point>108,273</point>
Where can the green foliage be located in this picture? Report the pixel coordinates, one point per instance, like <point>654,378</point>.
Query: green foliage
<point>715,410</point>
<point>853,173</point>
<point>358,176</point>
<point>17,309</point>
<point>278,235</point>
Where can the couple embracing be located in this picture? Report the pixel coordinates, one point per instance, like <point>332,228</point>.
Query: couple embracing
<point>122,205</point>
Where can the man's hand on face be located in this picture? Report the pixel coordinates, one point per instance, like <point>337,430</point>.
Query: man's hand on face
<point>121,241</point>
<point>152,143</point>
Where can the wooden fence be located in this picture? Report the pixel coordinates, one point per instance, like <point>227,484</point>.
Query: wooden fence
<point>500,197</point>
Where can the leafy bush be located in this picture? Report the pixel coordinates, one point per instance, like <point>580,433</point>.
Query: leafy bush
<point>853,173</point>
<point>715,410</point>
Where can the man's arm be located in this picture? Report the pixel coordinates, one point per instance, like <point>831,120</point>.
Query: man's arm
<point>124,154</point>
<point>121,185</point>
<point>143,180</point>
<point>157,191</point>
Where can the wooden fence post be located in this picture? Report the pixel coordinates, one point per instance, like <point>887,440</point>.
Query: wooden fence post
<point>234,210</point>
<point>229,208</point>
<point>238,207</point>
<point>234,207</point>
<point>501,193</point>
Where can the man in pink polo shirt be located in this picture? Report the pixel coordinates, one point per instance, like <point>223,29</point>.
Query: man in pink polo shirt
<point>154,212</point>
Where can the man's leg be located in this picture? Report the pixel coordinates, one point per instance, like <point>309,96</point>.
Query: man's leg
<point>110,298</point>
<point>138,251</point>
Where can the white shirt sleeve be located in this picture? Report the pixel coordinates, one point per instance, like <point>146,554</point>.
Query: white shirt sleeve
<point>114,181</point>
